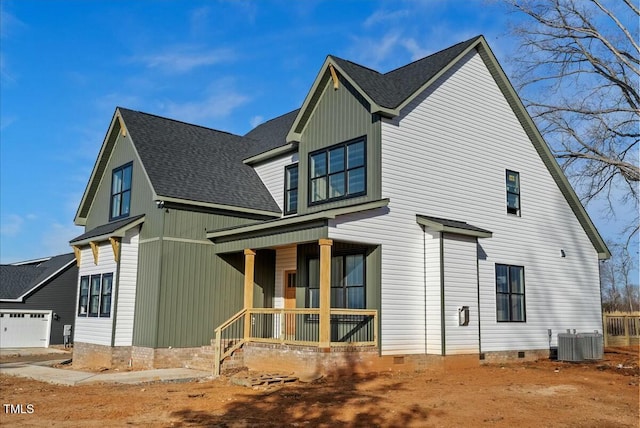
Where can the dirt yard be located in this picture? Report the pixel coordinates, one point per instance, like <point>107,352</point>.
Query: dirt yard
<point>542,393</point>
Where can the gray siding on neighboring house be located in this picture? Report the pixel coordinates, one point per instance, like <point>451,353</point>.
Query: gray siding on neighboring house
<point>340,115</point>
<point>59,296</point>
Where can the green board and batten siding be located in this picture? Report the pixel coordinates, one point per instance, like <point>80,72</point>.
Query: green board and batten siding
<point>141,192</point>
<point>195,289</point>
<point>340,115</point>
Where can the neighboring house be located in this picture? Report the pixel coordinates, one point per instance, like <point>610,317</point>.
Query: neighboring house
<point>413,213</point>
<point>37,299</point>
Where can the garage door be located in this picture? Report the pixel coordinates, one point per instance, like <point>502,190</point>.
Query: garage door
<point>24,329</point>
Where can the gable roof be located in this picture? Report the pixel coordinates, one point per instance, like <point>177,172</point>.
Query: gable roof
<point>390,89</point>
<point>186,163</point>
<point>19,280</point>
<point>388,93</point>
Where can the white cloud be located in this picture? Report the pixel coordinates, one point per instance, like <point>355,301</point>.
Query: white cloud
<point>182,59</point>
<point>56,238</point>
<point>374,52</point>
<point>383,16</point>
<point>216,105</point>
<point>11,225</point>
<point>255,121</point>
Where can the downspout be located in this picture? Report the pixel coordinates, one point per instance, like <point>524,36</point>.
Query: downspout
<point>114,305</point>
<point>424,277</point>
<point>478,295</point>
<point>442,316</point>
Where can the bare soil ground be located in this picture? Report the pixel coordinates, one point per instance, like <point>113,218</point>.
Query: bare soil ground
<point>542,393</point>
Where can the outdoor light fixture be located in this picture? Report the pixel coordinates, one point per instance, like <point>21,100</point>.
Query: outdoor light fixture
<point>159,204</point>
<point>562,253</point>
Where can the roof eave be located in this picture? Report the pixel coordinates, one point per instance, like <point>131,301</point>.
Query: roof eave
<point>439,227</point>
<point>222,207</point>
<point>119,233</point>
<point>278,151</point>
<point>328,214</point>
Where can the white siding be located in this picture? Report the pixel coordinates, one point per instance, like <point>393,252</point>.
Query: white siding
<point>285,261</point>
<point>127,288</point>
<point>272,175</point>
<point>461,289</point>
<point>93,329</point>
<point>446,156</point>
<point>433,287</point>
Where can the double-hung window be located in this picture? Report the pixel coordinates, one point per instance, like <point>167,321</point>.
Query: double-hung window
<point>513,192</point>
<point>510,293</point>
<point>121,191</point>
<point>338,172</point>
<point>95,295</point>
<point>291,189</point>
<point>347,282</point>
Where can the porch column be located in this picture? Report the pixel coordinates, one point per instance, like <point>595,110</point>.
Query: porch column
<point>325,293</point>
<point>249,268</point>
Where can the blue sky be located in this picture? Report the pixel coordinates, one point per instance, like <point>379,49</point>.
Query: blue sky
<point>66,65</point>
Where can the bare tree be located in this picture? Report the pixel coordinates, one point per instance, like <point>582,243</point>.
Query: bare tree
<point>578,70</point>
<point>620,291</point>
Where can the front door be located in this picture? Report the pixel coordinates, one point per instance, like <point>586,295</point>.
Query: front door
<point>290,302</point>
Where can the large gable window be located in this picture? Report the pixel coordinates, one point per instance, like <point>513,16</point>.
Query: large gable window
<point>510,293</point>
<point>291,189</point>
<point>121,191</point>
<point>338,172</point>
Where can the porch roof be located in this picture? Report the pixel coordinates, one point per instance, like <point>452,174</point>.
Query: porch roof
<point>452,226</point>
<point>282,231</point>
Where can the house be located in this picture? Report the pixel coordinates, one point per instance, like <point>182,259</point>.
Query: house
<point>395,218</point>
<point>37,299</point>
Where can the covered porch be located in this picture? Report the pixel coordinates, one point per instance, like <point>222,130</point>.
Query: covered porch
<point>325,293</point>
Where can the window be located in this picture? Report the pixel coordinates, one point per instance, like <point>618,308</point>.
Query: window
<point>95,295</point>
<point>338,172</point>
<point>121,191</point>
<point>513,192</point>
<point>510,293</point>
<point>291,189</point>
<point>84,296</point>
<point>105,295</point>
<point>347,282</point>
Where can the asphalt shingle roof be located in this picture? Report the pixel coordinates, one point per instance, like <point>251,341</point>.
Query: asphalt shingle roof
<point>392,88</point>
<point>196,163</point>
<point>17,280</point>
<point>455,224</point>
<point>106,228</point>
<point>271,134</point>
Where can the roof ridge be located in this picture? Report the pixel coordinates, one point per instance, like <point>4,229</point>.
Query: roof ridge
<point>356,64</point>
<point>431,55</point>
<point>179,121</point>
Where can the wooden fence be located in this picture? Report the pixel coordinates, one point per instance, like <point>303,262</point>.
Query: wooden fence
<point>621,328</point>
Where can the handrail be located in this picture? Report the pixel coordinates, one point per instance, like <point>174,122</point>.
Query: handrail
<point>278,325</point>
<point>218,352</point>
<point>231,320</point>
